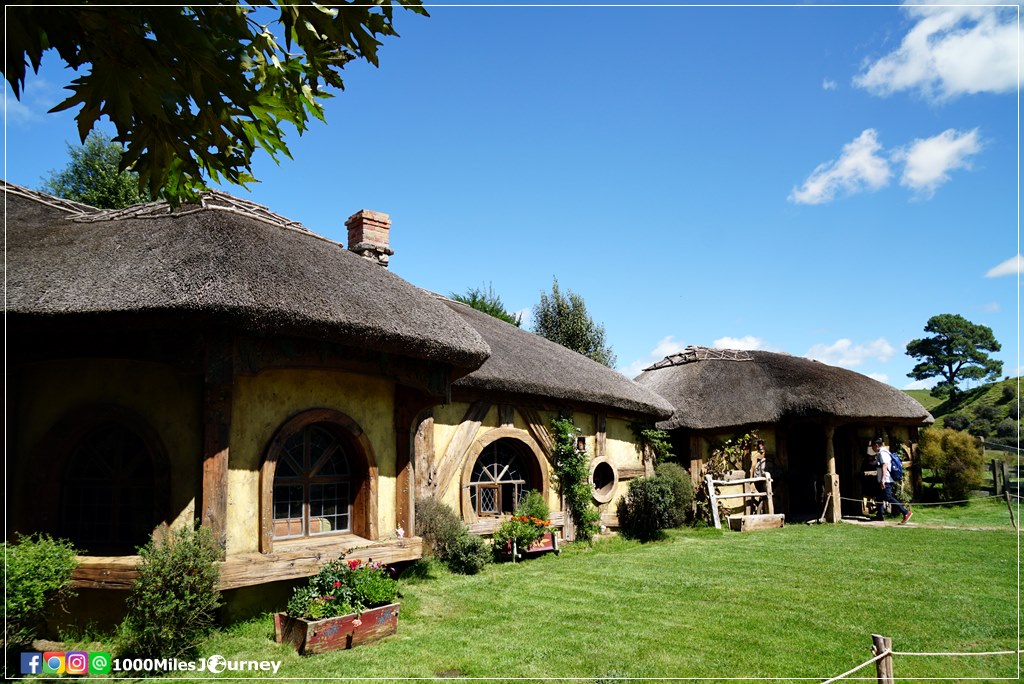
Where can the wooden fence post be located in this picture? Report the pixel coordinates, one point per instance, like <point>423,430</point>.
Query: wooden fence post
<point>883,666</point>
<point>1009,504</point>
<point>997,486</point>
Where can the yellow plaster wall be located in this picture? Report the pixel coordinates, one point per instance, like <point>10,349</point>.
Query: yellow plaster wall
<point>262,403</point>
<point>621,452</point>
<point>168,400</point>
<point>620,448</point>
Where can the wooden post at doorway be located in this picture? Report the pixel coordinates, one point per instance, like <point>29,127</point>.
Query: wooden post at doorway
<point>833,513</point>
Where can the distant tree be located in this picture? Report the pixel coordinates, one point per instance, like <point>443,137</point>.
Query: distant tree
<point>956,351</point>
<point>488,302</point>
<point>195,90</point>
<point>94,177</point>
<point>563,318</point>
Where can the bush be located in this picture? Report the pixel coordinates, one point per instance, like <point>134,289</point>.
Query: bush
<point>986,412</point>
<point>37,575</point>
<point>533,505</point>
<point>647,508</point>
<point>1009,393</point>
<point>448,540</point>
<point>439,526</point>
<point>682,490</point>
<point>980,427</point>
<point>469,554</point>
<point>957,421</point>
<point>1007,428</point>
<point>172,605</point>
<point>1013,411</point>
<point>955,458</point>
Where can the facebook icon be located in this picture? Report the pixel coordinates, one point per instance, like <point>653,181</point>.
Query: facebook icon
<point>31,663</point>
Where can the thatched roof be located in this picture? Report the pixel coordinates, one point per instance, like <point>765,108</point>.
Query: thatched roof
<point>524,363</point>
<point>229,261</point>
<point>712,389</point>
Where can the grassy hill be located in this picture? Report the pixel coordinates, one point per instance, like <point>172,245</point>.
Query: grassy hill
<point>987,410</point>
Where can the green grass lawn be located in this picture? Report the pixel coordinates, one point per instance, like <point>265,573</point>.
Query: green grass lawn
<point>802,601</point>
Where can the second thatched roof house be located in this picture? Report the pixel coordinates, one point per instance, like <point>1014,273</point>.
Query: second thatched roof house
<point>816,419</point>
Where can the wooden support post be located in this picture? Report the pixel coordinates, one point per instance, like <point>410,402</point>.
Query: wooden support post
<point>833,512</point>
<point>217,396</point>
<point>997,486</point>
<point>883,667</point>
<point>1009,504</point>
<point>713,498</point>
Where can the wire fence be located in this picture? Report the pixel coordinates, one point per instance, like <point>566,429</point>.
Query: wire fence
<point>884,655</point>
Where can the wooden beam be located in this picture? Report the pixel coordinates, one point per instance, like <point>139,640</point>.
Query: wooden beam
<point>217,399</point>
<point>297,560</point>
<point>423,455</point>
<point>464,436</point>
<point>409,404</point>
<point>538,430</point>
<point>601,436</point>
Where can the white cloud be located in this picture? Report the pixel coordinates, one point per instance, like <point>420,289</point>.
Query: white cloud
<point>1012,266</point>
<point>928,161</point>
<point>666,347</point>
<point>846,354</point>
<point>747,342</point>
<point>950,51</point>
<point>829,84</point>
<point>858,168</point>
<point>525,318</point>
<point>992,307</point>
<point>921,384</point>
<point>880,377</point>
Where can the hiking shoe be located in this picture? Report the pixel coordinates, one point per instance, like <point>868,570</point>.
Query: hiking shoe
<point>906,517</point>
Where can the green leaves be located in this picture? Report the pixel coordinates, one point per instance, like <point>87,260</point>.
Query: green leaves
<point>93,176</point>
<point>564,319</point>
<point>194,90</point>
<point>957,350</point>
<point>488,302</point>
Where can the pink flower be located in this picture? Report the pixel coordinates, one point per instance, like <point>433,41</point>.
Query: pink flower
<point>353,564</point>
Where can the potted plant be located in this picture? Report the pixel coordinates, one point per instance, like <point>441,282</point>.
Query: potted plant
<point>527,531</point>
<point>346,604</point>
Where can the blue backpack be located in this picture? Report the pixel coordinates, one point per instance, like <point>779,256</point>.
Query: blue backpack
<point>895,468</point>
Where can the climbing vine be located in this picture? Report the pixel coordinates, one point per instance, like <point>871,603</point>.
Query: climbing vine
<point>572,470</point>
<point>652,443</point>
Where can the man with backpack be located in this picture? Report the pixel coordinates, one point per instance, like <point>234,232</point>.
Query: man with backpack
<point>890,470</point>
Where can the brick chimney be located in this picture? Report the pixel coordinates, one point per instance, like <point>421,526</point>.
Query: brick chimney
<point>368,235</point>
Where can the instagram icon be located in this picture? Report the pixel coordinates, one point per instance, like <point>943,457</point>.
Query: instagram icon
<point>77,663</point>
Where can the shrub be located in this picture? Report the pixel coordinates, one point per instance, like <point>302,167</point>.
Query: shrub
<point>1007,428</point>
<point>986,412</point>
<point>172,605</point>
<point>469,554</point>
<point>439,526</point>
<point>1013,410</point>
<point>980,427</point>
<point>342,587</point>
<point>647,508</point>
<point>957,421</point>
<point>533,505</point>
<point>955,458</point>
<point>682,490</point>
<point>448,540</point>
<point>519,530</point>
<point>1009,393</point>
<point>37,575</point>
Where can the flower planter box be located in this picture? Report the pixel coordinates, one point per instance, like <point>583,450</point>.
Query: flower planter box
<point>336,633</point>
<point>547,542</point>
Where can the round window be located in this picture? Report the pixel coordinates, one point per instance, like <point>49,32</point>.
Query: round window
<point>603,478</point>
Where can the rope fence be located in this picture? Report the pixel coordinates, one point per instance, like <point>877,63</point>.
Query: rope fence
<point>884,659</point>
<point>946,503</point>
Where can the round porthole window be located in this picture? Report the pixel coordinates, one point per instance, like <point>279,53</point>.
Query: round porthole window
<point>603,479</point>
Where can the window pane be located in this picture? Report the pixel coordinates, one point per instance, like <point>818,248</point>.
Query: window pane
<point>288,510</point>
<point>328,508</point>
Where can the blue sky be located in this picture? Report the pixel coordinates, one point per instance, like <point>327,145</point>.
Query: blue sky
<point>818,180</point>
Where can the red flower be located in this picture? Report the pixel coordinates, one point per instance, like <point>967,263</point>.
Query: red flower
<point>337,584</point>
<point>353,564</point>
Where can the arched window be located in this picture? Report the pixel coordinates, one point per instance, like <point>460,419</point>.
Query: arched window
<point>111,491</point>
<point>501,477</point>
<point>312,485</point>
<point>319,477</point>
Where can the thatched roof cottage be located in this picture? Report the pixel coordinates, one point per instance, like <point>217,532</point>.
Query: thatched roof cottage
<point>491,444</point>
<point>816,419</point>
<point>222,363</point>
